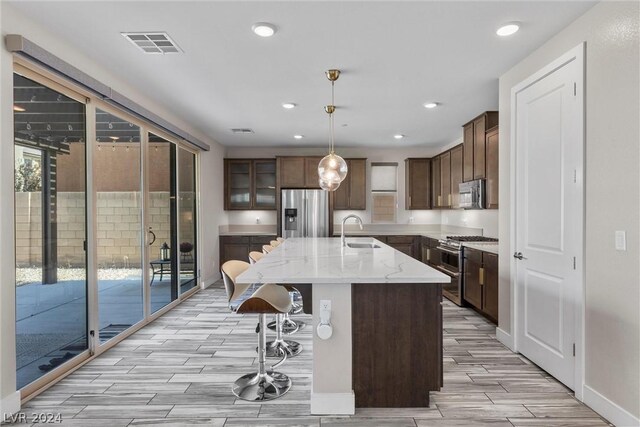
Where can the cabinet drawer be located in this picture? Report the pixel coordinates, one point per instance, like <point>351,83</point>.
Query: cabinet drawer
<point>399,239</point>
<point>262,240</point>
<point>235,239</point>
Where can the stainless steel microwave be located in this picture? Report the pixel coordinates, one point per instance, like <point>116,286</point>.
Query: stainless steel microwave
<point>472,194</point>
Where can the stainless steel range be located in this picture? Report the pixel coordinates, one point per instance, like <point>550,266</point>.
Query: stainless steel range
<point>452,263</point>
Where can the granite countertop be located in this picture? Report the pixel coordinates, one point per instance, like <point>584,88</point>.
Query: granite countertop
<point>491,247</point>
<point>324,260</point>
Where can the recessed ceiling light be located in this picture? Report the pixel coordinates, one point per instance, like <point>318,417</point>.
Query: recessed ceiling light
<point>431,105</point>
<point>264,29</point>
<point>298,136</point>
<point>398,136</point>
<point>19,109</point>
<point>508,29</point>
<point>115,138</point>
<point>288,105</point>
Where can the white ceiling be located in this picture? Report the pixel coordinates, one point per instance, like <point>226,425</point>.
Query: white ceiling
<point>395,56</point>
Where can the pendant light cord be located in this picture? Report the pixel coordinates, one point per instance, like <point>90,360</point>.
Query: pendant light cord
<point>331,147</point>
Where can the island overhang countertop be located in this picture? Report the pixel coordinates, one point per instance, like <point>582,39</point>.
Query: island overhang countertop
<point>324,260</point>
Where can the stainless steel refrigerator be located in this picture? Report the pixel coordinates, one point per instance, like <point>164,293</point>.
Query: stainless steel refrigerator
<point>305,213</point>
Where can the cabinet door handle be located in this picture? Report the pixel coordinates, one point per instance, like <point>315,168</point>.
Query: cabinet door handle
<point>449,199</point>
<point>439,200</point>
<point>428,254</point>
<point>481,276</point>
<point>410,205</point>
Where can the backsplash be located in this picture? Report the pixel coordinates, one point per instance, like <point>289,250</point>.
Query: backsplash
<point>486,219</point>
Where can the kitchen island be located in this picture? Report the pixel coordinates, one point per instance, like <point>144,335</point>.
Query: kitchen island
<point>386,319</point>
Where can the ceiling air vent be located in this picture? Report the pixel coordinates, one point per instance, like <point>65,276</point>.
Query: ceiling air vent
<point>242,130</point>
<point>153,42</point>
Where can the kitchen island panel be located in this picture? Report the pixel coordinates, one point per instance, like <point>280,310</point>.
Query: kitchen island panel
<point>397,344</point>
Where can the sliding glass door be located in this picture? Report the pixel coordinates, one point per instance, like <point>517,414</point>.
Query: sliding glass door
<point>105,226</point>
<point>50,227</point>
<point>162,222</point>
<point>187,219</point>
<point>117,180</point>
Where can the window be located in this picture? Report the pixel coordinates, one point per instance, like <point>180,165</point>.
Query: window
<point>384,192</point>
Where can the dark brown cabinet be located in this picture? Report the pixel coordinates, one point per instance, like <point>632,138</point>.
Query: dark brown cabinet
<point>352,193</point>
<point>467,164</point>
<point>457,160</point>
<point>405,244</point>
<point>472,284</point>
<point>238,247</point>
<point>436,187</point>
<point>474,134</point>
<point>430,253</point>
<point>291,172</point>
<point>249,184</point>
<point>298,172</point>
<point>492,164</point>
<point>418,183</point>
<point>409,245</point>
<point>311,179</point>
<point>481,281</point>
<point>445,179</point>
<point>479,129</point>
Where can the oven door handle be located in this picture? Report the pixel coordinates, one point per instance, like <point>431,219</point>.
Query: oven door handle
<point>445,271</point>
<point>447,250</point>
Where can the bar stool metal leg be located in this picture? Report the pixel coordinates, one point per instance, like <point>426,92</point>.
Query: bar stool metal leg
<point>263,385</point>
<point>276,347</point>
<point>289,326</point>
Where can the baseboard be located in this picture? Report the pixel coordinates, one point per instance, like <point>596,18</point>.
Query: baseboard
<point>614,413</point>
<point>9,405</point>
<point>208,282</point>
<point>333,403</point>
<point>505,338</point>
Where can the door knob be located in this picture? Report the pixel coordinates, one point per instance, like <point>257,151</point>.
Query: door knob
<point>518,255</point>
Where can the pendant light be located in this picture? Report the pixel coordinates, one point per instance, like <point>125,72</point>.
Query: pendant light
<point>332,169</point>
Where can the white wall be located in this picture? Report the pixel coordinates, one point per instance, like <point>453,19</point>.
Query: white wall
<point>211,166</point>
<point>612,323</point>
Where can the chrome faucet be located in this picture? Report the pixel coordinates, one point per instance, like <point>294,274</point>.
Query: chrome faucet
<point>357,218</point>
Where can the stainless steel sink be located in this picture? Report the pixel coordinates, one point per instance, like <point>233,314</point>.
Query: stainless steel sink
<point>356,245</point>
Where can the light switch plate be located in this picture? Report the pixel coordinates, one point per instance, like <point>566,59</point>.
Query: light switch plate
<point>621,240</point>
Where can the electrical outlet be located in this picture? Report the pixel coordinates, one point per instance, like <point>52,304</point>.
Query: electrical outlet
<point>325,304</point>
<point>621,240</point>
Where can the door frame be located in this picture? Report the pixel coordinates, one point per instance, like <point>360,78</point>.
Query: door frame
<point>576,54</point>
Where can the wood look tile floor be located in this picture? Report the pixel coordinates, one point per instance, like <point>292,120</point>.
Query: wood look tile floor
<point>178,371</point>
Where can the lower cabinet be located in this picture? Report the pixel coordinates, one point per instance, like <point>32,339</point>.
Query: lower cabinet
<point>430,251</point>
<point>238,247</point>
<point>409,245</point>
<point>481,281</point>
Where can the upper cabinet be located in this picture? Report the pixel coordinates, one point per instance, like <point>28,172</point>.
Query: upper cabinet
<point>492,168</point>
<point>249,184</point>
<point>457,160</point>
<point>298,172</point>
<point>417,183</point>
<point>475,134</point>
<point>436,187</point>
<point>352,193</point>
<point>445,180</point>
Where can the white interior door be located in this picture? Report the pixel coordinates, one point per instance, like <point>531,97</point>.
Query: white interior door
<point>548,215</point>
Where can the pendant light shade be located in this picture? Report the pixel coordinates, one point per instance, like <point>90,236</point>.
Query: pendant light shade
<point>332,168</point>
<point>329,185</point>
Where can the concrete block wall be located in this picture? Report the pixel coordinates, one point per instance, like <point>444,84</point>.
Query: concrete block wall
<point>118,221</point>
